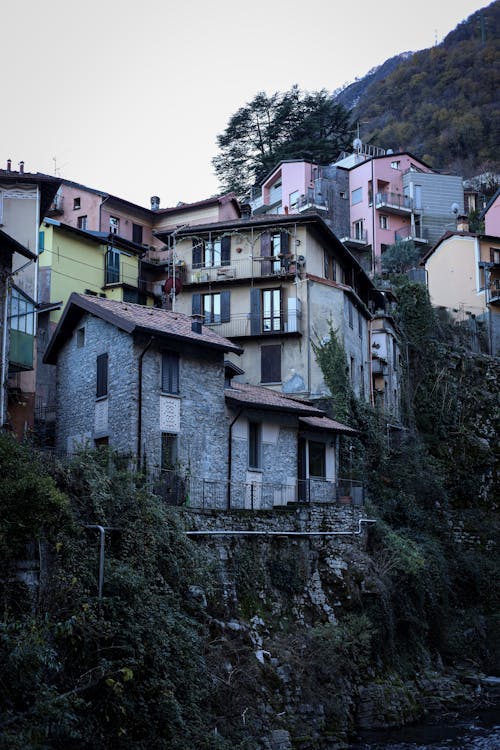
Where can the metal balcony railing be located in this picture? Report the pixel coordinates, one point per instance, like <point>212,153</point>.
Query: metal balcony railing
<point>405,234</point>
<point>393,201</point>
<point>200,493</point>
<point>248,325</point>
<point>242,268</point>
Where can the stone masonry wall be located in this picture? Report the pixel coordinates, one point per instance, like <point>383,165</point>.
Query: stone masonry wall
<point>76,387</point>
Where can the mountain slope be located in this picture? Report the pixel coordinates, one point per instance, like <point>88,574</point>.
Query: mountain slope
<point>440,103</point>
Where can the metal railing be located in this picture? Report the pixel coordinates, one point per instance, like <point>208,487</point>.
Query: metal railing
<point>194,492</point>
<point>406,234</point>
<point>246,325</point>
<point>393,200</point>
<point>242,268</point>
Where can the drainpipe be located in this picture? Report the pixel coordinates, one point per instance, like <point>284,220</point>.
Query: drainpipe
<point>4,351</point>
<point>139,403</point>
<point>230,459</point>
<point>308,292</point>
<point>241,532</point>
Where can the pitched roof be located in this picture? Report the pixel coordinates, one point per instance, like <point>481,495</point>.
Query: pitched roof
<point>133,319</point>
<point>13,246</point>
<point>100,238</point>
<point>258,396</point>
<point>47,185</point>
<point>217,199</point>
<point>325,423</point>
<point>458,233</point>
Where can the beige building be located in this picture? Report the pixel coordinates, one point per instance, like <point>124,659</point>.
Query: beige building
<point>463,276</point>
<point>273,284</point>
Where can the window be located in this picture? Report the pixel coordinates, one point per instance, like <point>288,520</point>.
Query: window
<point>168,451</point>
<point>350,312</point>
<point>170,372</point>
<point>137,233</point>
<point>494,255</point>
<point>352,370</point>
<point>274,252</point>
<point>357,229</point>
<point>76,204</point>
<point>112,275</point>
<point>102,376</point>
<point>82,222</point>
<point>395,164</point>
<point>383,222</point>
<point>80,338</point>
<point>211,308</point>
<point>330,268</point>
<point>317,463</point>
<point>211,253</point>
<point>271,310</point>
<point>293,199</point>
<point>41,241</point>
<point>114,225</point>
<point>270,363</point>
<point>254,445</point>
<point>360,325</point>
<point>356,196</point>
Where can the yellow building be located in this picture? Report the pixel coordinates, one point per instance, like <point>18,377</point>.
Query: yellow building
<point>463,276</point>
<point>74,260</point>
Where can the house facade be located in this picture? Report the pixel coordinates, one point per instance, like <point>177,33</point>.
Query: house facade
<point>463,276</point>
<point>154,384</point>
<point>24,198</point>
<point>86,208</point>
<point>274,284</point>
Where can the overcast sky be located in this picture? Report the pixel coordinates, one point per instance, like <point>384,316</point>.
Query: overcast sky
<point>129,96</point>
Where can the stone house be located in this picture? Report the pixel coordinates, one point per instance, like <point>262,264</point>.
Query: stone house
<point>157,385</point>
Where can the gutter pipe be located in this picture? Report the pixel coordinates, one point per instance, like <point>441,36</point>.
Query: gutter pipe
<point>230,458</point>
<point>139,403</point>
<point>238,532</point>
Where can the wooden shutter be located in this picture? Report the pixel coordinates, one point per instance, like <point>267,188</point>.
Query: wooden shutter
<point>265,252</point>
<point>196,304</point>
<point>102,376</point>
<point>170,372</point>
<point>225,251</point>
<point>284,243</point>
<point>255,323</point>
<point>225,307</point>
<point>197,248</point>
<point>270,363</point>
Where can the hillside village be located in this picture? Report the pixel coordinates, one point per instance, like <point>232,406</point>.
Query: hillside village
<point>141,310</point>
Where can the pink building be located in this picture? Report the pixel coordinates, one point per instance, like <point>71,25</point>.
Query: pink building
<point>491,215</point>
<point>371,198</point>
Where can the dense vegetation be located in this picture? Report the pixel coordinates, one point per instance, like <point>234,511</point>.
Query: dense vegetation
<point>440,103</point>
<point>166,659</point>
<point>289,125</point>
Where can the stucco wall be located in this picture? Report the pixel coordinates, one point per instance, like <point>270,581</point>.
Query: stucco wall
<point>453,276</point>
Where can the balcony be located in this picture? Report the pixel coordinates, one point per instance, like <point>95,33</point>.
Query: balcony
<point>407,235</point>
<point>246,325</point>
<point>217,494</point>
<point>355,240</point>
<point>493,292</point>
<point>312,200</point>
<point>242,268</point>
<point>394,203</point>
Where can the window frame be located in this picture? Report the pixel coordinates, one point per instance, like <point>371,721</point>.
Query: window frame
<point>102,375</point>
<point>77,203</point>
<point>254,444</point>
<point>272,315</point>
<point>169,375</point>
<point>114,225</point>
<point>82,222</point>
<point>357,196</point>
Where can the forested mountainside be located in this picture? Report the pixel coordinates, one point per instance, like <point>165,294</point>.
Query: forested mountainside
<point>439,103</point>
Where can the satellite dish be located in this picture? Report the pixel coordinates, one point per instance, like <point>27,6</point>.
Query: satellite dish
<point>356,144</point>
<point>455,208</point>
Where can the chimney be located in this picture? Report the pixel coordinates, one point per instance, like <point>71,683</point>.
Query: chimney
<point>462,223</point>
<point>155,203</point>
<point>21,167</point>
<point>9,165</point>
<point>196,324</point>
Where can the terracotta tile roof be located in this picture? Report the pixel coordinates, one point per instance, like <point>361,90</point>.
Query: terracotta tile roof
<point>133,318</point>
<point>325,423</point>
<point>258,396</point>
